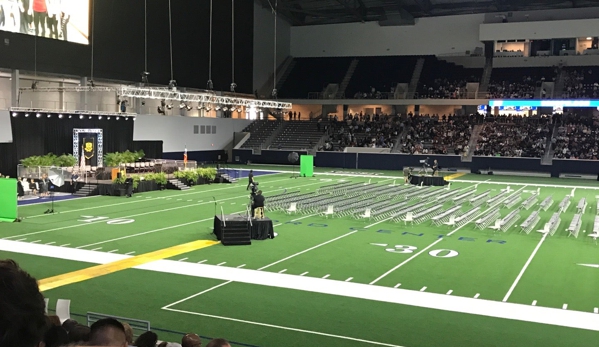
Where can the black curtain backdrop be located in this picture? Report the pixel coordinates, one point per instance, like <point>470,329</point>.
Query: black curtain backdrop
<point>40,136</point>
<point>152,149</point>
<point>8,159</point>
<point>119,44</point>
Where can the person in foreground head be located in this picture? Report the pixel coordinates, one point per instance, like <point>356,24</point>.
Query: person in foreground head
<point>191,340</point>
<point>107,332</point>
<point>22,307</point>
<point>218,343</point>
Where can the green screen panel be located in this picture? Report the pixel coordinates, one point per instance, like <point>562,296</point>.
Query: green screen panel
<point>306,166</point>
<point>8,200</point>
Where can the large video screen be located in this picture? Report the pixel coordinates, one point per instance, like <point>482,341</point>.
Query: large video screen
<point>66,20</point>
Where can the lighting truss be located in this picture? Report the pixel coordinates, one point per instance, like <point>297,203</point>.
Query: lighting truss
<point>203,98</point>
<point>70,89</point>
<point>75,112</point>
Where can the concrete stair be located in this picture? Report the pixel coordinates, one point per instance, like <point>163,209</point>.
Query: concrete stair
<point>87,190</point>
<point>175,184</point>
<point>413,87</point>
<point>347,78</point>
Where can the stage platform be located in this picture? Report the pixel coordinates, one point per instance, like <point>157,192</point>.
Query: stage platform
<point>428,180</point>
<point>239,230</point>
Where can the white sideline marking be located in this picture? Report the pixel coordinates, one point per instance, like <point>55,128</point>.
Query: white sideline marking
<point>223,263</point>
<point>534,303</point>
<point>349,279</point>
<point>449,292</point>
<point>282,271</point>
<point>129,253</point>
<point>97,249</point>
<point>308,216</point>
<point>477,295</point>
<point>36,241</point>
<point>439,240</point>
<point>370,343</point>
<point>534,252</point>
<point>422,289</point>
<point>596,310</point>
<point>183,259</point>
<point>114,250</point>
<point>51,243</point>
<point>482,307</point>
<point>305,273</point>
<point>565,307</point>
<point>66,244</point>
<point>326,276</point>
<point>23,239</point>
<point>397,285</point>
<point>203,261</point>
<point>276,225</point>
<point>240,266</point>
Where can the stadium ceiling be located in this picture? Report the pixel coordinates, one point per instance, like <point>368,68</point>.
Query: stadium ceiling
<point>403,12</point>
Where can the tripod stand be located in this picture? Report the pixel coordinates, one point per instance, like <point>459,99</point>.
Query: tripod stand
<point>51,209</point>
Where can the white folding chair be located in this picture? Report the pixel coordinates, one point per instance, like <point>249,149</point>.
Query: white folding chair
<point>451,222</point>
<point>63,309</point>
<point>408,218</point>
<point>292,208</point>
<point>366,214</point>
<point>496,226</point>
<point>594,236</point>
<point>46,301</point>
<point>329,211</point>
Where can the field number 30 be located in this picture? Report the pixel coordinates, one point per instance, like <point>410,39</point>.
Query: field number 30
<point>405,249</point>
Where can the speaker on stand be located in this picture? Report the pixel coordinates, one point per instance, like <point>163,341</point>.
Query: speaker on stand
<point>293,159</point>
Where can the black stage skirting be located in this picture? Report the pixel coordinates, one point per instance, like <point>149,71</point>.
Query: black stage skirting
<point>119,189</point>
<point>261,229</point>
<point>428,180</point>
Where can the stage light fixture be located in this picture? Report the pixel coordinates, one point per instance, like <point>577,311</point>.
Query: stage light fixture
<point>169,106</point>
<point>26,114</point>
<point>225,109</point>
<point>172,84</point>
<point>239,110</point>
<point>70,116</point>
<point>49,115</point>
<point>182,105</point>
<point>108,118</point>
<point>217,107</point>
<point>60,116</point>
<point>100,117</point>
<point>38,115</point>
<point>90,117</point>
<point>189,107</point>
<point>117,118</point>
<point>80,116</point>
<point>14,114</point>
<point>208,108</point>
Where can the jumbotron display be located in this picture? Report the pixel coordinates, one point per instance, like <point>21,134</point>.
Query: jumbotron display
<point>66,20</point>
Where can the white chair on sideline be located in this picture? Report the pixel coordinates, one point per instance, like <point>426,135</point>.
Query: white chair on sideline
<point>46,301</point>
<point>496,226</point>
<point>594,236</point>
<point>451,221</point>
<point>63,309</point>
<point>366,214</point>
<point>408,218</point>
<point>292,208</point>
<point>329,211</point>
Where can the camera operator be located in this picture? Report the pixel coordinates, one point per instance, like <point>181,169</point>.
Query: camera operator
<point>435,168</point>
<point>258,204</point>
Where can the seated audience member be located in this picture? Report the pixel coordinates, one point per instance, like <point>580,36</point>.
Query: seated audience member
<point>22,307</point>
<point>56,336</point>
<point>20,190</point>
<point>53,320</point>
<point>107,332</point>
<point>79,334</point>
<point>147,339</point>
<point>191,340</point>
<point>218,343</point>
<point>128,334</point>
<point>33,187</point>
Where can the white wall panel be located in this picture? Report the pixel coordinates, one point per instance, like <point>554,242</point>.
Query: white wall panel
<point>5,129</point>
<point>556,29</point>
<point>439,35</point>
<point>177,132</point>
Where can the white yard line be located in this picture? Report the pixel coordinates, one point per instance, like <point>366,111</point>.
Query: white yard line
<point>565,307</point>
<point>477,295</point>
<point>51,243</point>
<point>534,252</point>
<point>422,289</point>
<point>129,253</point>
<point>439,240</point>
<point>283,271</point>
<point>223,263</point>
<point>203,261</point>
<point>349,279</point>
<point>196,294</point>
<point>534,303</point>
<point>183,259</point>
<point>241,266</point>
<point>23,239</point>
<point>304,273</point>
<point>367,342</point>
<point>304,217</point>
<point>449,292</point>
<point>397,285</point>
<point>97,249</point>
<point>326,276</point>
<point>66,244</point>
<point>114,250</point>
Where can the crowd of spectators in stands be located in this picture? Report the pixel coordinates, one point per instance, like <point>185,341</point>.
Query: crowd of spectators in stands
<point>576,138</point>
<point>514,136</point>
<point>443,89</point>
<point>434,134</point>
<point>523,89</point>
<point>373,93</point>
<point>360,130</point>
<point>23,321</point>
<point>580,84</point>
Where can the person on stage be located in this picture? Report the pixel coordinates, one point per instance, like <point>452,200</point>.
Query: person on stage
<point>44,185</point>
<point>250,179</point>
<point>435,168</point>
<point>258,203</point>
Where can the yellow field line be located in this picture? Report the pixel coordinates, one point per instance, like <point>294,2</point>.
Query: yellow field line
<point>105,269</point>
<point>455,175</point>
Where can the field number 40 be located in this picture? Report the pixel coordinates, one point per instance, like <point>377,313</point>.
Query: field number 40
<point>404,249</point>
<point>116,221</point>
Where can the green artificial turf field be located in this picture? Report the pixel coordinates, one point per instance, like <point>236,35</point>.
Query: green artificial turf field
<point>337,281</point>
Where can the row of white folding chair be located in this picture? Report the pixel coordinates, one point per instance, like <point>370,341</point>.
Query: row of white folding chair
<point>63,308</point>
